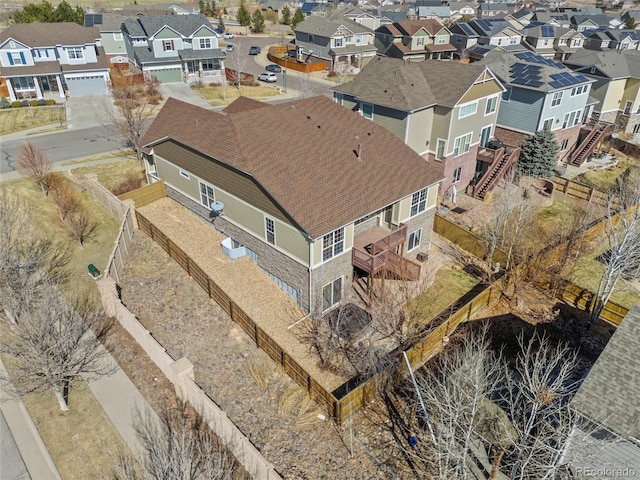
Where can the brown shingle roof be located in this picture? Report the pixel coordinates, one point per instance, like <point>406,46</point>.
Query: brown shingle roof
<point>39,34</point>
<point>413,85</point>
<point>411,27</point>
<point>304,154</point>
<point>242,104</point>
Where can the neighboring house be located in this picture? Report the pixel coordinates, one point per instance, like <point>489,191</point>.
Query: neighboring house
<point>631,13</point>
<point>310,212</point>
<point>478,36</point>
<point>617,85</point>
<point>111,37</point>
<point>346,45</point>
<point>541,93</point>
<point>160,9</point>
<point>315,9</point>
<point>612,450</point>
<point>444,111</point>
<point>463,37</point>
<point>174,48</point>
<point>397,13</point>
<point>415,40</point>
<point>367,19</point>
<point>441,13</point>
<point>557,19</point>
<point>583,23</point>
<point>493,9</point>
<point>51,60</point>
<point>277,6</point>
<point>461,10</point>
<point>612,40</point>
<point>553,42</point>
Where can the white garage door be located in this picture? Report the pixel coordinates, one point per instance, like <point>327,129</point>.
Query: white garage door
<point>89,85</point>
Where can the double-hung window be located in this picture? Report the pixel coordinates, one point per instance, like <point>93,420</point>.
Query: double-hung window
<point>492,104</point>
<point>75,53</point>
<point>205,43</point>
<point>419,202</point>
<point>16,58</point>
<point>167,45</point>
<point>337,42</point>
<point>331,293</point>
<point>207,196</point>
<point>556,99</point>
<point>270,230</point>
<point>332,244</point>
<point>462,144</point>
<point>457,174</point>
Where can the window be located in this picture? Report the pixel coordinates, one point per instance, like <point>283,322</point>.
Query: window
<point>364,219</point>
<point>420,41</point>
<point>571,119</point>
<point>338,97</point>
<point>358,39</point>
<point>414,240</point>
<point>167,45</point>
<point>75,53</point>
<point>556,99</point>
<point>492,103</point>
<point>337,42</point>
<point>367,111</point>
<point>16,58</point>
<point>462,144</point>
<point>564,144</point>
<point>441,39</point>
<point>206,195</point>
<point>579,90</point>
<point>205,43</point>
<point>514,40</point>
<point>23,83</point>
<point>209,65</point>
<point>485,136</point>
<point>419,202</point>
<point>576,42</point>
<point>43,53</point>
<point>332,244</point>
<point>270,230</point>
<point>548,124</point>
<point>468,109</point>
<point>440,146</point>
<point>331,293</point>
<point>457,174</point>
<point>185,174</point>
<point>627,107</point>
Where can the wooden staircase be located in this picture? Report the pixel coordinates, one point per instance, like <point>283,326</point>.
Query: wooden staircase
<point>495,172</point>
<point>598,132</point>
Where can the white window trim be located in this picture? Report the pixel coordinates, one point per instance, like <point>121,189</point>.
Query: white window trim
<point>550,119</point>
<point>422,197</point>
<point>333,301</point>
<point>415,245</point>
<point>333,244</point>
<point>628,103</point>
<point>444,149</point>
<point>461,145</point>
<point>453,178</point>
<point>362,111</point>
<point>77,51</point>
<point>495,106</point>
<point>205,40</point>
<point>559,95</point>
<point>267,231</point>
<point>200,183</point>
<point>470,104</point>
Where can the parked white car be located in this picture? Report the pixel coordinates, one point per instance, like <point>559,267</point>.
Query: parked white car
<point>269,77</point>
<point>228,35</point>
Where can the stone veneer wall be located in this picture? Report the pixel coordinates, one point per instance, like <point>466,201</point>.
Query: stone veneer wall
<point>340,266</point>
<point>424,221</point>
<point>269,259</point>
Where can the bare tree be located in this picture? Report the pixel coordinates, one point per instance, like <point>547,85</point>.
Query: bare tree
<point>132,115</point>
<point>237,60</point>
<point>53,343</point>
<point>34,163</point>
<point>182,447</point>
<point>304,85</point>
<point>80,226</point>
<point>509,417</point>
<point>64,196</point>
<point>27,261</point>
<point>621,239</point>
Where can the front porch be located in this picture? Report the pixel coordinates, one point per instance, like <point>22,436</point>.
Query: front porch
<point>378,250</point>
<point>47,87</point>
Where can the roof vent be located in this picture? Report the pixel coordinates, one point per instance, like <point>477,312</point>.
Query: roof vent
<point>359,151</point>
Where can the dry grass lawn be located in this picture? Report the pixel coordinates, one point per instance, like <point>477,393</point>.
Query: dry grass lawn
<point>605,179</point>
<point>112,173</point>
<point>17,119</point>
<point>224,95</point>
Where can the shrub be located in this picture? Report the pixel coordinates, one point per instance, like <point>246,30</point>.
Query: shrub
<point>133,182</point>
<point>42,102</point>
<point>51,102</point>
<point>34,103</point>
<point>4,103</point>
<point>25,103</point>
<point>16,104</point>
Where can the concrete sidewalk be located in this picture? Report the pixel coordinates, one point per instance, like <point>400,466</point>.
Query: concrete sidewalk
<point>23,452</point>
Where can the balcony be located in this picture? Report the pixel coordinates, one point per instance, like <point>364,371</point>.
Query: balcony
<point>374,252</point>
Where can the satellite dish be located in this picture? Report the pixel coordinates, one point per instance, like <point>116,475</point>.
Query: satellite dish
<point>216,210</point>
<point>614,135</point>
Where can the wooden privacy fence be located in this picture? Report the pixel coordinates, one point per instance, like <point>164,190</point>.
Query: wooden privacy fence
<point>115,264</point>
<point>466,240</point>
<point>581,191</point>
<point>145,195</point>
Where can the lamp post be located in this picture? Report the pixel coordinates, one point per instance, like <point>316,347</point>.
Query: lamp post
<point>284,71</point>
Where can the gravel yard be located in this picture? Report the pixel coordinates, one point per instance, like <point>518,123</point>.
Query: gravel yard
<point>268,406</point>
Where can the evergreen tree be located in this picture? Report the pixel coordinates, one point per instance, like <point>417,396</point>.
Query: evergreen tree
<point>297,18</point>
<point>286,15</point>
<point>243,16</point>
<point>44,12</point>
<point>538,155</point>
<point>258,21</point>
<point>220,23</point>
<point>631,23</point>
<point>201,7</point>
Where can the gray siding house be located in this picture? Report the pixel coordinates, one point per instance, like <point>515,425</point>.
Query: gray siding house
<point>347,197</point>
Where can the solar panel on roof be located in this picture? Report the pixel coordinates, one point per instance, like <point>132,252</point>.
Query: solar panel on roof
<point>556,84</point>
<point>466,28</point>
<point>547,31</point>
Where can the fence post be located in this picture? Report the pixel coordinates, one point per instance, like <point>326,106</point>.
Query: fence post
<point>108,291</point>
<point>182,369</point>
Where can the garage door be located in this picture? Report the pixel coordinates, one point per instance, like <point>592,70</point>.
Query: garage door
<point>90,85</point>
<point>167,75</point>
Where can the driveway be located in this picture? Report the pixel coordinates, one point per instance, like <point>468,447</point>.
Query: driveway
<point>88,111</point>
<point>183,92</point>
